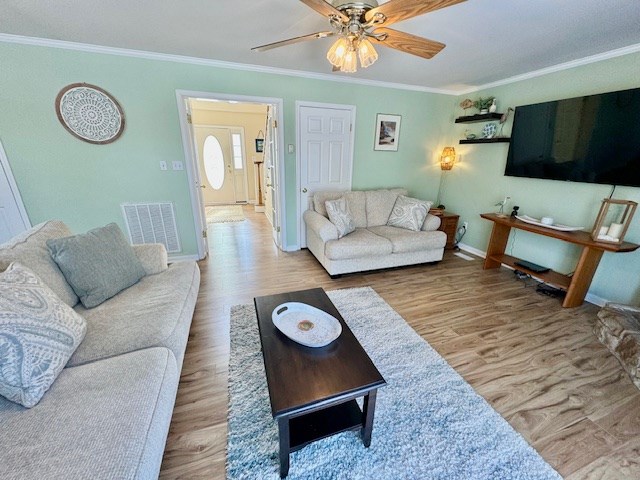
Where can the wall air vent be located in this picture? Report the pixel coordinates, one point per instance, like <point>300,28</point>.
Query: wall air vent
<point>152,223</point>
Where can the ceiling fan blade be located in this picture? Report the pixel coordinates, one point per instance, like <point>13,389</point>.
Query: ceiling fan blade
<point>290,41</point>
<point>398,10</point>
<point>325,8</point>
<point>405,42</point>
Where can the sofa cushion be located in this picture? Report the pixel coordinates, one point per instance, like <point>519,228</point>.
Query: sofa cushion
<point>156,311</point>
<point>360,243</point>
<point>404,240</point>
<point>30,249</point>
<point>97,264</point>
<point>409,213</point>
<point>152,256</point>
<point>319,199</point>
<point>340,216</point>
<point>106,419</point>
<point>379,205</point>
<point>432,222</point>
<point>357,203</point>
<point>38,334</point>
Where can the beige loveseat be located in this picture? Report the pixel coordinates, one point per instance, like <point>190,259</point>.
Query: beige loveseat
<point>374,244</point>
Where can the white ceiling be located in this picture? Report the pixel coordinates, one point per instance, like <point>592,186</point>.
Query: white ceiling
<point>487,40</point>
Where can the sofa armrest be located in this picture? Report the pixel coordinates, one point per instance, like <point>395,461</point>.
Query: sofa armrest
<point>320,225</point>
<point>431,223</point>
<point>153,257</point>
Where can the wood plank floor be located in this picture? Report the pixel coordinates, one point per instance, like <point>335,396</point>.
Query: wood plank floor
<point>538,365</point>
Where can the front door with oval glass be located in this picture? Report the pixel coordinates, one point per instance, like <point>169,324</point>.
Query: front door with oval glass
<point>221,163</point>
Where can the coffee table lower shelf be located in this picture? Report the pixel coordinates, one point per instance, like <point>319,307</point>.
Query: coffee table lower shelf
<point>320,424</point>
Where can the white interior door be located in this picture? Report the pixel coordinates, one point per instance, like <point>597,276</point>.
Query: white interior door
<point>215,162</point>
<point>13,217</point>
<point>325,147</point>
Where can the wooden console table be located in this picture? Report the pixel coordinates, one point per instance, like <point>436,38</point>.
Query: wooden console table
<point>576,285</point>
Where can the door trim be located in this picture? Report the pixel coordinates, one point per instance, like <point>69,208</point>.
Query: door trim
<point>335,106</point>
<point>191,162</point>
<point>13,186</point>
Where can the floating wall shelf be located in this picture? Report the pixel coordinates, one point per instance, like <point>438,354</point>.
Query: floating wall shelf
<point>487,140</point>
<point>485,117</point>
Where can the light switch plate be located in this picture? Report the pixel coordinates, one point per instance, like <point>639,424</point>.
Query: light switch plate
<point>291,148</point>
<point>177,165</point>
<point>163,165</point>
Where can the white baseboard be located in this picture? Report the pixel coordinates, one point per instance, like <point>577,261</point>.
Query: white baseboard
<point>291,248</point>
<point>596,300</point>
<point>589,297</point>
<point>259,208</point>
<point>183,258</point>
<point>470,249</point>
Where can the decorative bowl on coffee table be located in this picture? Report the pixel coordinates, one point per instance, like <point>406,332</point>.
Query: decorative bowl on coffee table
<point>305,324</point>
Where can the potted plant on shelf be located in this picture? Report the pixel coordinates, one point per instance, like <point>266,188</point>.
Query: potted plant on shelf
<point>483,104</point>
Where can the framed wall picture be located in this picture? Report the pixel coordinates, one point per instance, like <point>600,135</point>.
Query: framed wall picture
<point>387,132</point>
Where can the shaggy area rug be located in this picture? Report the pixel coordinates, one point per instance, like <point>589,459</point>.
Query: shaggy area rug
<point>429,423</point>
<point>224,213</point>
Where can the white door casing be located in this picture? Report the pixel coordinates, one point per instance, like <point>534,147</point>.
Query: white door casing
<point>13,216</point>
<point>193,175</point>
<point>195,192</point>
<point>325,152</point>
<point>271,174</point>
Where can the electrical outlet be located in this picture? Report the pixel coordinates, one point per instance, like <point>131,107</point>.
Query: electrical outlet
<point>465,225</point>
<point>177,165</point>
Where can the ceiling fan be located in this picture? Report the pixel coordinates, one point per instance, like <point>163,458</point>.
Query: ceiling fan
<point>355,22</point>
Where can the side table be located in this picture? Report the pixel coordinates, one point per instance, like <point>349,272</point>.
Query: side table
<point>448,225</point>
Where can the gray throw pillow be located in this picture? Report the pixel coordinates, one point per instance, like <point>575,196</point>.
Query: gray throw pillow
<point>340,216</point>
<point>38,335</point>
<point>97,264</point>
<point>409,213</point>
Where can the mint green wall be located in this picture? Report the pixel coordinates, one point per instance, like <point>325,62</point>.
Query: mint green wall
<point>476,184</point>
<point>62,177</point>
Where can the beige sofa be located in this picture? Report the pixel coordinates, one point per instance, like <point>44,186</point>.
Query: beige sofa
<point>374,244</point>
<point>107,414</point>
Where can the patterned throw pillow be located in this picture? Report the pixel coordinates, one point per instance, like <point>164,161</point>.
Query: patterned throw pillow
<point>339,215</point>
<point>409,213</point>
<point>38,335</point>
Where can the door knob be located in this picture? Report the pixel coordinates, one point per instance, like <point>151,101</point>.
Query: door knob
<point>203,186</point>
<point>268,184</point>
<point>304,190</point>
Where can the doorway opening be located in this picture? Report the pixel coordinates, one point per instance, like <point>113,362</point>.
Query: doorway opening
<point>231,144</point>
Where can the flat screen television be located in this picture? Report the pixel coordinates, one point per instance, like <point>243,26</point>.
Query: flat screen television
<point>593,139</point>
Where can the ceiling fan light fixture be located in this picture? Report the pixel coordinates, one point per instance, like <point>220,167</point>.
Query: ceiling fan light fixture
<point>367,53</point>
<point>337,52</point>
<point>350,63</point>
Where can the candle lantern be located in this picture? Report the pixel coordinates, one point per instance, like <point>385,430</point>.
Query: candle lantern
<point>611,225</point>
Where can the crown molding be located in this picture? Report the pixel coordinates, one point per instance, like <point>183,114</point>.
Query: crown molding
<point>619,52</point>
<point>166,57</point>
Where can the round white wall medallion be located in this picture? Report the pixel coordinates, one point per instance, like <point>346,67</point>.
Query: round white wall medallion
<point>90,113</point>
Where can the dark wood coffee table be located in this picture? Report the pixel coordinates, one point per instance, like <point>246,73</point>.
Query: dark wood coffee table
<point>313,390</point>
